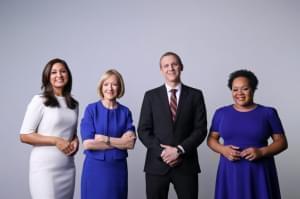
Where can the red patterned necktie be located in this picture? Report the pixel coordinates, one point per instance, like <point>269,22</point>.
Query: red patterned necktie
<point>173,103</point>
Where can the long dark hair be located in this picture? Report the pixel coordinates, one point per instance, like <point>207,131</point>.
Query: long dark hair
<point>47,89</point>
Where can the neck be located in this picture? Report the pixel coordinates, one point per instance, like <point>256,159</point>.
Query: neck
<point>58,92</point>
<point>110,104</point>
<point>173,84</point>
<point>245,108</point>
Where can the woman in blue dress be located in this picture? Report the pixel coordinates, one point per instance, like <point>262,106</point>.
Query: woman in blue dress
<point>107,132</point>
<point>247,168</point>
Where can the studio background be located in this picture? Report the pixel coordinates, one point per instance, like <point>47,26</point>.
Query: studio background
<point>213,38</point>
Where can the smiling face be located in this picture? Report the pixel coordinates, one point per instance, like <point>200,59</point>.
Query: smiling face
<point>58,78</point>
<point>170,68</point>
<point>110,88</point>
<point>242,93</point>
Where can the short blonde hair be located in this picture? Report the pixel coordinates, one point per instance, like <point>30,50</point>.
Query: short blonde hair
<point>105,76</point>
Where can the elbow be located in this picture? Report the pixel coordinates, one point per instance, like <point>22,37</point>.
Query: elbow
<point>132,144</point>
<point>208,142</point>
<point>285,146</point>
<point>131,147</point>
<point>23,138</point>
<point>86,145</point>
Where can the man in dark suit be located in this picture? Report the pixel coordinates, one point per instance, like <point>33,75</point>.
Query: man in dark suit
<point>172,125</point>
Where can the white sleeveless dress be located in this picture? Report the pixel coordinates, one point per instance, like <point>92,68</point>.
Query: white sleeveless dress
<point>52,173</point>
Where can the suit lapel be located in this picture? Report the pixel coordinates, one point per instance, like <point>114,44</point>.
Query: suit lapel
<point>165,102</point>
<point>182,98</point>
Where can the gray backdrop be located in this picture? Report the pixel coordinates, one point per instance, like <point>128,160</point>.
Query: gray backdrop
<point>212,37</point>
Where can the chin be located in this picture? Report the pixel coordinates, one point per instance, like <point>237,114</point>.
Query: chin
<point>111,98</point>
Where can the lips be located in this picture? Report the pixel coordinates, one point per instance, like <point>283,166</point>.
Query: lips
<point>59,81</point>
<point>110,93</point>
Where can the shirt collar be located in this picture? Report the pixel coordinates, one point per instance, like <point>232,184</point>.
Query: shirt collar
<point>177,87</point>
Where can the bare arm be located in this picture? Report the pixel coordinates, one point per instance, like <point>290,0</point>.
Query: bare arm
<point>230,152</point>
<point>127,141</point>
<point>36,139</point>
<point>278,145</point>
<point>96,144</point>
<point>102,142</point>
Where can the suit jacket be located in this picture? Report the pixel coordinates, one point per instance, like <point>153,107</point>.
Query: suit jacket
<point>157,127</point>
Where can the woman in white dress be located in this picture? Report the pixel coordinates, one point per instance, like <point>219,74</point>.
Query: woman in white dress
<point>50,125</point>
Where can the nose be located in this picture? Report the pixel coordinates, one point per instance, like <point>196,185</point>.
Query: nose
<point>240,91</point>
<point>59,74</point>
<point>171,67</point>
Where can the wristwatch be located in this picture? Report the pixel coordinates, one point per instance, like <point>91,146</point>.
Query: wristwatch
<point>179,151</point>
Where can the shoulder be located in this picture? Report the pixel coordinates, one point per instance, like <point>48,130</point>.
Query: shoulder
<point>193,94</point>
<point>191,90</point>
<point>223,109</point>
<point>38,97</point>
<point>36,105</point>
<point>154,91</point>
<point>92,106</point>
<point>37,100</point>
<point>268,110</point>
<point>124,109</point>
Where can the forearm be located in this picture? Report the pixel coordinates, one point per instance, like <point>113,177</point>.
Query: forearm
<point>38,139</point>
<point>92,144</point>
<point>120,144</point>
<point>215,145</point>
<point>274,148</point>
<point>151,142</point>
<point>194,140</point>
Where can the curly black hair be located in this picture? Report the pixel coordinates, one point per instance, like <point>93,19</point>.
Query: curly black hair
<point>253,81</point>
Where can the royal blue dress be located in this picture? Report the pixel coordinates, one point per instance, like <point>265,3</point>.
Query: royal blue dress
<point>244,179</point>
<point>104,173</point>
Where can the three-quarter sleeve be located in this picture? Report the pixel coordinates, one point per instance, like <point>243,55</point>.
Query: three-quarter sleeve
<point>87,129</point>
<point>129,125</point>
<point>33,115</point>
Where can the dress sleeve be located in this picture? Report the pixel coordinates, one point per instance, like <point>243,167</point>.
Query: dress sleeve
<point>215,122</point>
<point>33,115</point>
<point>87,128</point>
<point>129,125</point>
<point>275,122</point>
